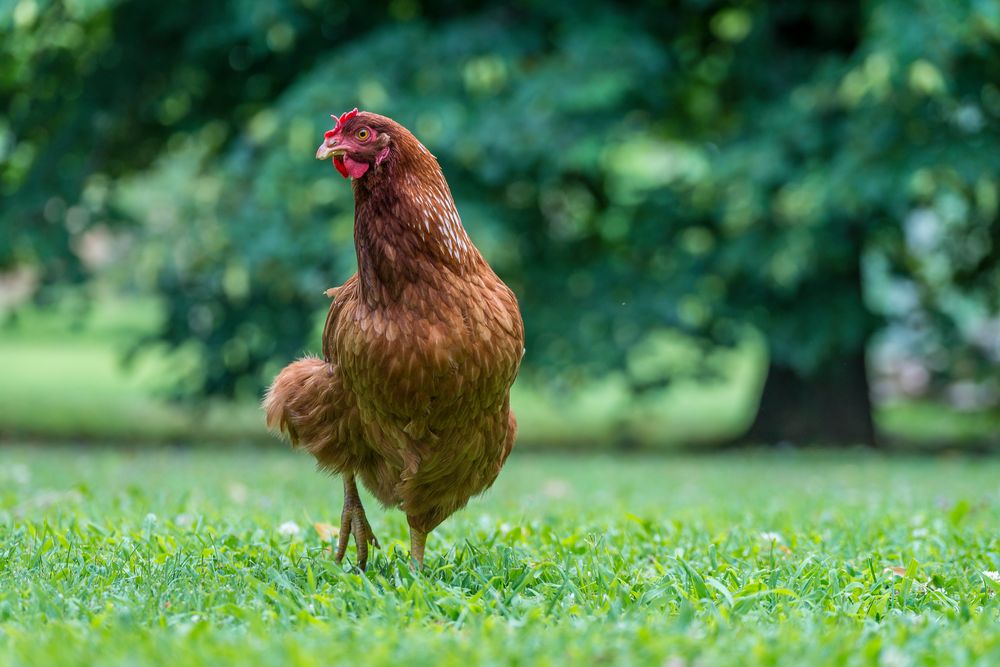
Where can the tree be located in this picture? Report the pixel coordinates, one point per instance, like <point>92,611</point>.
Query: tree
<point>898,125</point>
<point>97,91</point>
<point>708,169</point>
<point>843,139</point>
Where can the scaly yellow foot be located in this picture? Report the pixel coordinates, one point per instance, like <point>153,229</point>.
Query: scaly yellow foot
<point>354,522</point>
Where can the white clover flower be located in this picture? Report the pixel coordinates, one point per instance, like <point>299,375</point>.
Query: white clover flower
<point>289,529</point>
<point>893,657</point>
<point>237,492</point>
<point>768,536</point>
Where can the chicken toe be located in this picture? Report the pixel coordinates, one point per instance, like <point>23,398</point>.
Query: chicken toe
<point>354,522</point>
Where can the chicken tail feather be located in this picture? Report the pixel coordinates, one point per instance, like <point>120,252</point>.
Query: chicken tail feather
<point>307,405</point>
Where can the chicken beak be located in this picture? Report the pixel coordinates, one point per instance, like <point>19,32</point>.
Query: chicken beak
<point>326,150</point>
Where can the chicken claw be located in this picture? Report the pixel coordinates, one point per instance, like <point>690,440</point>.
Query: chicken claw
<point>354,522</point>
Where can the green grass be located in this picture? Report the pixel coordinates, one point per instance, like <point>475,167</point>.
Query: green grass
<point>928,424</point>
<point>178,557</point>
<point>64,377</point>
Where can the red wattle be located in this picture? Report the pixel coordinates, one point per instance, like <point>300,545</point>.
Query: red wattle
<point>354,168</point>
<point>338,162</point>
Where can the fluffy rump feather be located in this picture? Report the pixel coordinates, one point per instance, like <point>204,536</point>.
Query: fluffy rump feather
<point>307,404</point>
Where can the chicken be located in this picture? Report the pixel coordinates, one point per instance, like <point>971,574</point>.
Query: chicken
<point>420,347</point>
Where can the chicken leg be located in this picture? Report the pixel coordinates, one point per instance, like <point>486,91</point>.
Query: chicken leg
<point>354,522</point>
<point>418,538</point>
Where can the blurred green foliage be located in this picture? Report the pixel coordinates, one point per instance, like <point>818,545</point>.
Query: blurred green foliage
<point>819,171</point>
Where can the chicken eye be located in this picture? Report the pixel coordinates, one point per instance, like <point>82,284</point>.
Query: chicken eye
<point>363,134</point>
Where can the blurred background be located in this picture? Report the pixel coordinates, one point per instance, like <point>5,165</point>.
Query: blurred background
<point>727,221</point>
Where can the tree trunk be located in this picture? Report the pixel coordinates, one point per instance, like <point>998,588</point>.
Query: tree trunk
<point>832,408</point>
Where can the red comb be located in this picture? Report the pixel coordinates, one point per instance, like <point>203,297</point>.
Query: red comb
<point>344,117</point>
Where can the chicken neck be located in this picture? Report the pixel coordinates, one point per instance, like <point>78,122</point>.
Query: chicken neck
<point>406,231</point>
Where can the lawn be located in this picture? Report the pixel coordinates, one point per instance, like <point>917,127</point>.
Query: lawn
<point>212,556</point>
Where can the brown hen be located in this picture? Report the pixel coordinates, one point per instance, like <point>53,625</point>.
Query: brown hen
<point>420,348</point>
